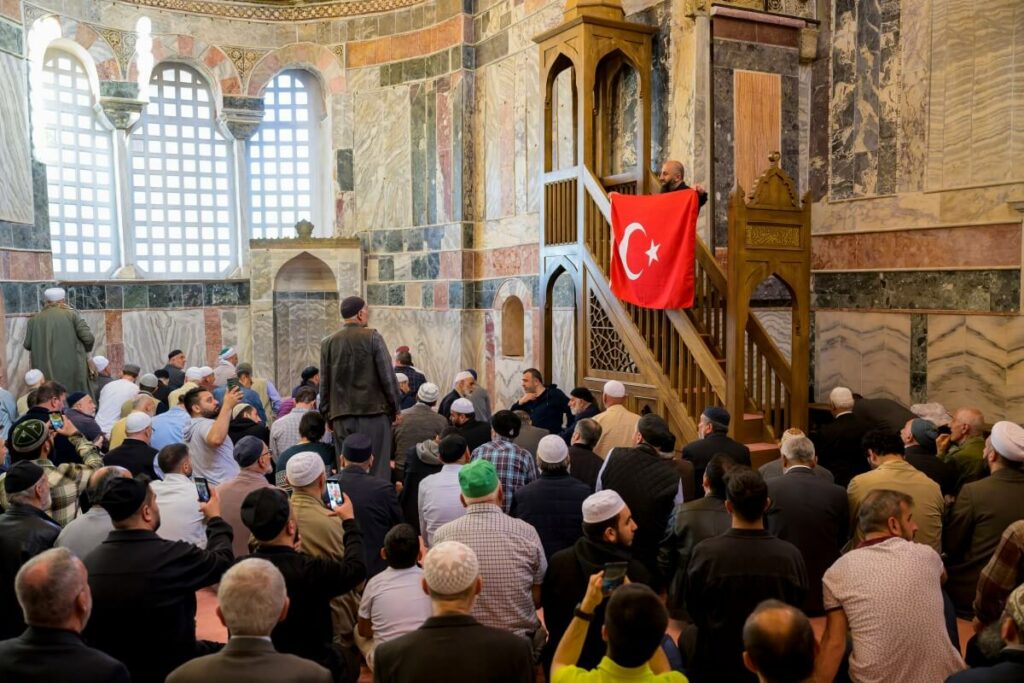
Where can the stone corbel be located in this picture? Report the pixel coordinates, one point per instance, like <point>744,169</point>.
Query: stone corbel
<point>242,115</point>
<point>120,102</point>
<point>808,44</point>
<point>693,8</point>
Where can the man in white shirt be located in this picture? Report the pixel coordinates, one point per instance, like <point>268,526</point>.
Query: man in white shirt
<point>84,533</point>
<point>114,395</point>
<point>227,359</point>
<point>439,494</point>
<point>177,498</point>
<point>207,434</point>
<point>393,602</point>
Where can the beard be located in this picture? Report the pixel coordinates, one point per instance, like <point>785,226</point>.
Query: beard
<point>668,186</point>
<point>211,414</point>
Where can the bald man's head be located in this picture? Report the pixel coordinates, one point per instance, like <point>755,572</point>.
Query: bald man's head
<point>779,644</point>
<point>671,175</point>
<point>53,591</point>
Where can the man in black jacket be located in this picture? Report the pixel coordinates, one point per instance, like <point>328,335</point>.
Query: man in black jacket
<point>732,574</point>
<point>553,503</point>
<point>245,421</point>
<point>312,582</point>
<point>810,513</point>
<point>584,463</point>
<point>135,454</point>
<point>138,578</point>
<point>838,443</point>
<point>650,486</point>
<point>475,433</point>
<point>451,645</point>
<point>608,531</point>
<point>547,405</point>
<point>691,523</point>
<point>49,398</point>
<point>25,531</point>
<point>358,389</point>
<point>582,405</point>
<point>375,499</point>
<point>53,591</point>
<point>713,429</point>
<point>919,437</point>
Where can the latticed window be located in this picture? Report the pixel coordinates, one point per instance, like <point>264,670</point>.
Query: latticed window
<point>79,171</point>
<point>281,171</point>
<point>181,180</point>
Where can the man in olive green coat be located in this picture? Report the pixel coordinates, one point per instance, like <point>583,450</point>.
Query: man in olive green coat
<point>60,340</point>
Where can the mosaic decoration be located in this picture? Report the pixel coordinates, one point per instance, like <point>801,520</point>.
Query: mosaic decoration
<point>121,42</point>
<point>244,58</point>
<point>329,9</point>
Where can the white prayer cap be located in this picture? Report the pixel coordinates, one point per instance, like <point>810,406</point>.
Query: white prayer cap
<point>136,422</point>
<point>227,352</point>
<point>463,375</point>
<point>100,362</point>
<point>401,377</point>
<point>613,388</point>
<point>552,449</point>
<point>841,397</point>
<point>428,392</point>
<point>205,371</point>
<point>33,377</point>
<point>1008,440</point>
<point>303,468</point>
<point>54,294</point>
<point>192,374</point>
<point>601,506</point>
<point>450,568</point>
<point>463,406</point>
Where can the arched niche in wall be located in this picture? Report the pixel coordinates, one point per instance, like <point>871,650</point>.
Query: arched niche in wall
<point>513,336</point>
<point>305,309</point>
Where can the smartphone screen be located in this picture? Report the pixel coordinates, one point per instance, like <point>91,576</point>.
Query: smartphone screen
<point>334,494</point>
<point>56,420</point>
<point>614,575</point>
<point>203,488</point>
<point>233,383</point>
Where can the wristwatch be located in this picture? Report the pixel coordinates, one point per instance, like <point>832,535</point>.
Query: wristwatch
<point>580,614</point>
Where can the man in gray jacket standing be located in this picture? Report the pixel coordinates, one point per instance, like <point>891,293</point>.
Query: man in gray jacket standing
<point>358,389</point>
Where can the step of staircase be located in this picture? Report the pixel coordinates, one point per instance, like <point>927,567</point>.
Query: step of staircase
<point>762,453</point>
<point>751,428</point>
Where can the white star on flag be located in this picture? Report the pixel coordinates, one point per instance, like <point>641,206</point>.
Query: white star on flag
<point>652,253</point>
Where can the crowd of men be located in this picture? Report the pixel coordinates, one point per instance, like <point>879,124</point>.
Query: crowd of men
<point>369,520</point>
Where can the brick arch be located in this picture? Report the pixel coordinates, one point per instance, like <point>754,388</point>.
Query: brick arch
<point>102,54</point>
<point>210,60</point>
<point>317,59</point>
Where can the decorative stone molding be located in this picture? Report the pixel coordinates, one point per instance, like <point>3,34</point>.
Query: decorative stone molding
<point>121,42</point>
<point>244,59</point>
<point>326,9</point>
<point>808,44</point>
<point>120,102</point>
<point>242,115</point>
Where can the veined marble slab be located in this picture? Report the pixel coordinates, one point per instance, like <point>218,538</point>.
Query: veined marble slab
<point>16,203</point>
<point>433,337</point>
<point>150,334</point>
<point>867,352</point>
<point>382,156</point>
<point>18,361</point>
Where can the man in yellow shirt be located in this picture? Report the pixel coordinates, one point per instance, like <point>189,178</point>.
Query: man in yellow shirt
<point>634,626</point>
<point>618,424</point>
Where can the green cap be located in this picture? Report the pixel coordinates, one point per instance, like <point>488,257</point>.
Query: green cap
<point>478,479</point>
<point>27,436</point>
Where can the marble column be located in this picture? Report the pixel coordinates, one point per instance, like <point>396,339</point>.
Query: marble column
<point>123,107</point>
<point>242,117</point>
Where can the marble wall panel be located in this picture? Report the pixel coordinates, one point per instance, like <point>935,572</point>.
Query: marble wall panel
<point>299,327</point>
<point>97,321</point>
<point>434,338</point>
<point>382,156</point>
<point>150,334</point>
<point>16,202</point>
<point>498,144</point>
<point>236,331</point>
<point>563,348</point>
<point>778,323</point>
<point>867,352</point>
<point>18,361</point>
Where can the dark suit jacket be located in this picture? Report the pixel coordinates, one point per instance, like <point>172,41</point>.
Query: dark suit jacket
<point>553,505</point>
<point>1009,668</point>
<point>837,446</point>
<point>25,532</point>
<point>882,413</point>
<point>584,464</point>
<point>416,470</point>
<point>419,423</point>
<point>982,511</point>
<point>460,647</point>
<point>701,451</point>
<point>252,660</point>
<point>133,455</point>
<point>812,514</point>
<point>570,425</point>
<point>378,511</point>
<point>475,433</point>
<point>46,654</point>
<point>942,473</point>
<point>690,523</point>
<point>137,577</point>
<point>529,438</point>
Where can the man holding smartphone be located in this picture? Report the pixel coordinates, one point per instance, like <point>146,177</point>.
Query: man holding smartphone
<point>207,434</point>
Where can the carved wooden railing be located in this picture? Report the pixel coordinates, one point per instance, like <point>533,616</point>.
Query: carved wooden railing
<point>768,379</point>
<point>560,188</point>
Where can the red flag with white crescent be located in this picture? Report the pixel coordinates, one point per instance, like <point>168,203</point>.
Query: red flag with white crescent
<point>653,242</point>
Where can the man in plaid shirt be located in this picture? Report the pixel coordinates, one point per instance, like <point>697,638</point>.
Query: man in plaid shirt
<point>1003,573</point>
<point>515,466</point>
<point>33,440</point>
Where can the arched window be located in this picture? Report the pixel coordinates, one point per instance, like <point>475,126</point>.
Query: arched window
<point>281,155</point>
<point>181,180</point>
<point>79,172</point>
<point>513,342</point>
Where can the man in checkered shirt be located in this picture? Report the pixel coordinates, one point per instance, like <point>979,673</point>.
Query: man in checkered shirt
<point>511,557</point>
<point>284,433</point>
<point>33,440</point>
<point>515,466</point>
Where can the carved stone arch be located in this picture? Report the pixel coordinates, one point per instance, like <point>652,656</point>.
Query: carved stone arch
<point>317,59</point>
<point>93,43</point>
<point>209,60</point>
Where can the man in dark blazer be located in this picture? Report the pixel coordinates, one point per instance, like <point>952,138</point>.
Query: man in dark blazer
<point>452,645</point>
<point>838,443</point>
<point>882,413</point>
<point>138,578</point>
<point>810,513</point>
<point>135,454</point>
<point>51,648</point>
<point>582,405</point>
<point>919,437</point>
<point>251,600</point>
<point>374,498</point>
<point>713,439</point>
<point>584,463</point>
<point>982,511</point>
<point>419,423</point>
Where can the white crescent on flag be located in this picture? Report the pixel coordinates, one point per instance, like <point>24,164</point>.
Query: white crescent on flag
<point>624,249</point>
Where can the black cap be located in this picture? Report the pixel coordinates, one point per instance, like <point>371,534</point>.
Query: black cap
<point>310,372</point>
<point>247,450</point>
<point>175,352</point>
<point>357,448</point>
<point>506,424</point>
<point>265,512</point>
<point>350,306</point>
<point>583,394</point>
<point>162,374</point>
<point>75,397</point>
<point>654,430</point>
<point>122,497</point>
<point>22,476</point>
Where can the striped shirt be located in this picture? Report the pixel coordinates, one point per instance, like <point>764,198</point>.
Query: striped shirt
<point>515,466</point>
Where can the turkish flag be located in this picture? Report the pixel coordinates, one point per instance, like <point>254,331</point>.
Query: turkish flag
<point>653,241</point>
